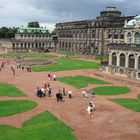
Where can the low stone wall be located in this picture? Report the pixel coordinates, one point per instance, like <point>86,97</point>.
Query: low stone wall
<point>122,71</point>
<point>5,45</point>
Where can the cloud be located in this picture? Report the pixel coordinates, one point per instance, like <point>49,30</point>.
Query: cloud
<point>20,12</point>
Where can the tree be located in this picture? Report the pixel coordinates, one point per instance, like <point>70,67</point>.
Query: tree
<point>7,32</point>
<point>33,24</point>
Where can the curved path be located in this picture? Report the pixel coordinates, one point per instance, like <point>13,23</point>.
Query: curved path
<point>109,121</point>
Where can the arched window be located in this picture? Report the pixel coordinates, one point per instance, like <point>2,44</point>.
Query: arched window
<point>122,60</point>
<point>129,37</point>
<point>131,61</point>
<point>116,35</point>
<point>114,59</point>
<point>139,62</point>
<point>137,38</point>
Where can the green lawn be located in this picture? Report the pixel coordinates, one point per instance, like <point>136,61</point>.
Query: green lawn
<point>27,55</point>
<point>41,127</point>
<point>9,90</point>
<point>101,58</point>
<point>111,90</point>
<point>66,53</point>
<point>80,81</point>
<point>130,103</point>
<point>66,64</point>
<point>10,107</point>
<point>138,96</point>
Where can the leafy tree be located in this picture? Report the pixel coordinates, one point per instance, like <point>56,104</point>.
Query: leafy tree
<point>33,24</point>
<point>10,34</point>
<point>7,32</point>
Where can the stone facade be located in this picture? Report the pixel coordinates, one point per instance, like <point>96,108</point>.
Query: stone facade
<point>132,31</point>
<point>92,36</point>
<point>5,45</point>
<point>31,39</point>
<point>124,60</point>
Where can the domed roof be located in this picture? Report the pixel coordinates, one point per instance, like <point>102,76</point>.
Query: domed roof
<point>137,17</point>
<point>134,22</point>
<point>111,9</point>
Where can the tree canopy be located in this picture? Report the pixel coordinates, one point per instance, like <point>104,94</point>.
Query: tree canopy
<point>33,24</point>
<point>7,32</point>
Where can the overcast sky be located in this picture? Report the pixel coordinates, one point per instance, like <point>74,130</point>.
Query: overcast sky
<point>15,13</point>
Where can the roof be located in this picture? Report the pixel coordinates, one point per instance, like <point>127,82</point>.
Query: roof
<point>111,9</point>
<point>32,30</point>
<point>135,21</point>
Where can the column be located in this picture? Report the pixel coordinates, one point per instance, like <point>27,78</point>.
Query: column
<point>133,38</point>
<point>110,58</point>
<point>136,62</point>
<point>126,61</point>
<point>118,59</point>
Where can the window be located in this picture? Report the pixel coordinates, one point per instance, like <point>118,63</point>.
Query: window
<point>122,35</point>
<point>115,35</point>
<point>131,62</point>
<point>137,38</point>
<point>114,59</point>
<point>122,60</point>
<point>129,37</point>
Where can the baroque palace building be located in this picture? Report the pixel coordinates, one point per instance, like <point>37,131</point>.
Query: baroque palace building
<point>92,36</point>
<point>124,59</point>
<point>28,39</point>
<point>31,39</point>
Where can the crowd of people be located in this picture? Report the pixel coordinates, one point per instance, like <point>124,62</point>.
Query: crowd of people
<point>46,89</point>
<point>60,94</point>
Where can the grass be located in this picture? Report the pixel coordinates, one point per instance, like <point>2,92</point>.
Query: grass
<point>130,103</point>
<point>102,57</point>
<point>66,53</point>
<point>111,90</point>
<point>41,127</point>
<point>80,81</point>
<point>27,55</point>
<point>138,96</point>
<point>9,90</point>
<point>66,64</point>
<point>10,107</point>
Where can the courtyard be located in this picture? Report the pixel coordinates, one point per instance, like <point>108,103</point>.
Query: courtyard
<point>109,120</point>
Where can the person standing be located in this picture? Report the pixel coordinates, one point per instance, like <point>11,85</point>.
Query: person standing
<point>58,96</point>
<point>49,92</point>
<point>54,77</point>
<point>70,93</point>
<point>64,92</point>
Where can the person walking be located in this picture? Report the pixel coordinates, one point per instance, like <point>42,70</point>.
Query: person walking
<point>13,70</point>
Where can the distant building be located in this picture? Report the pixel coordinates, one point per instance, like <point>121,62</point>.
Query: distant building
<point>124,59</point>
<point>31,39</point>
<point>92,36</point>
<point>5,45</point>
